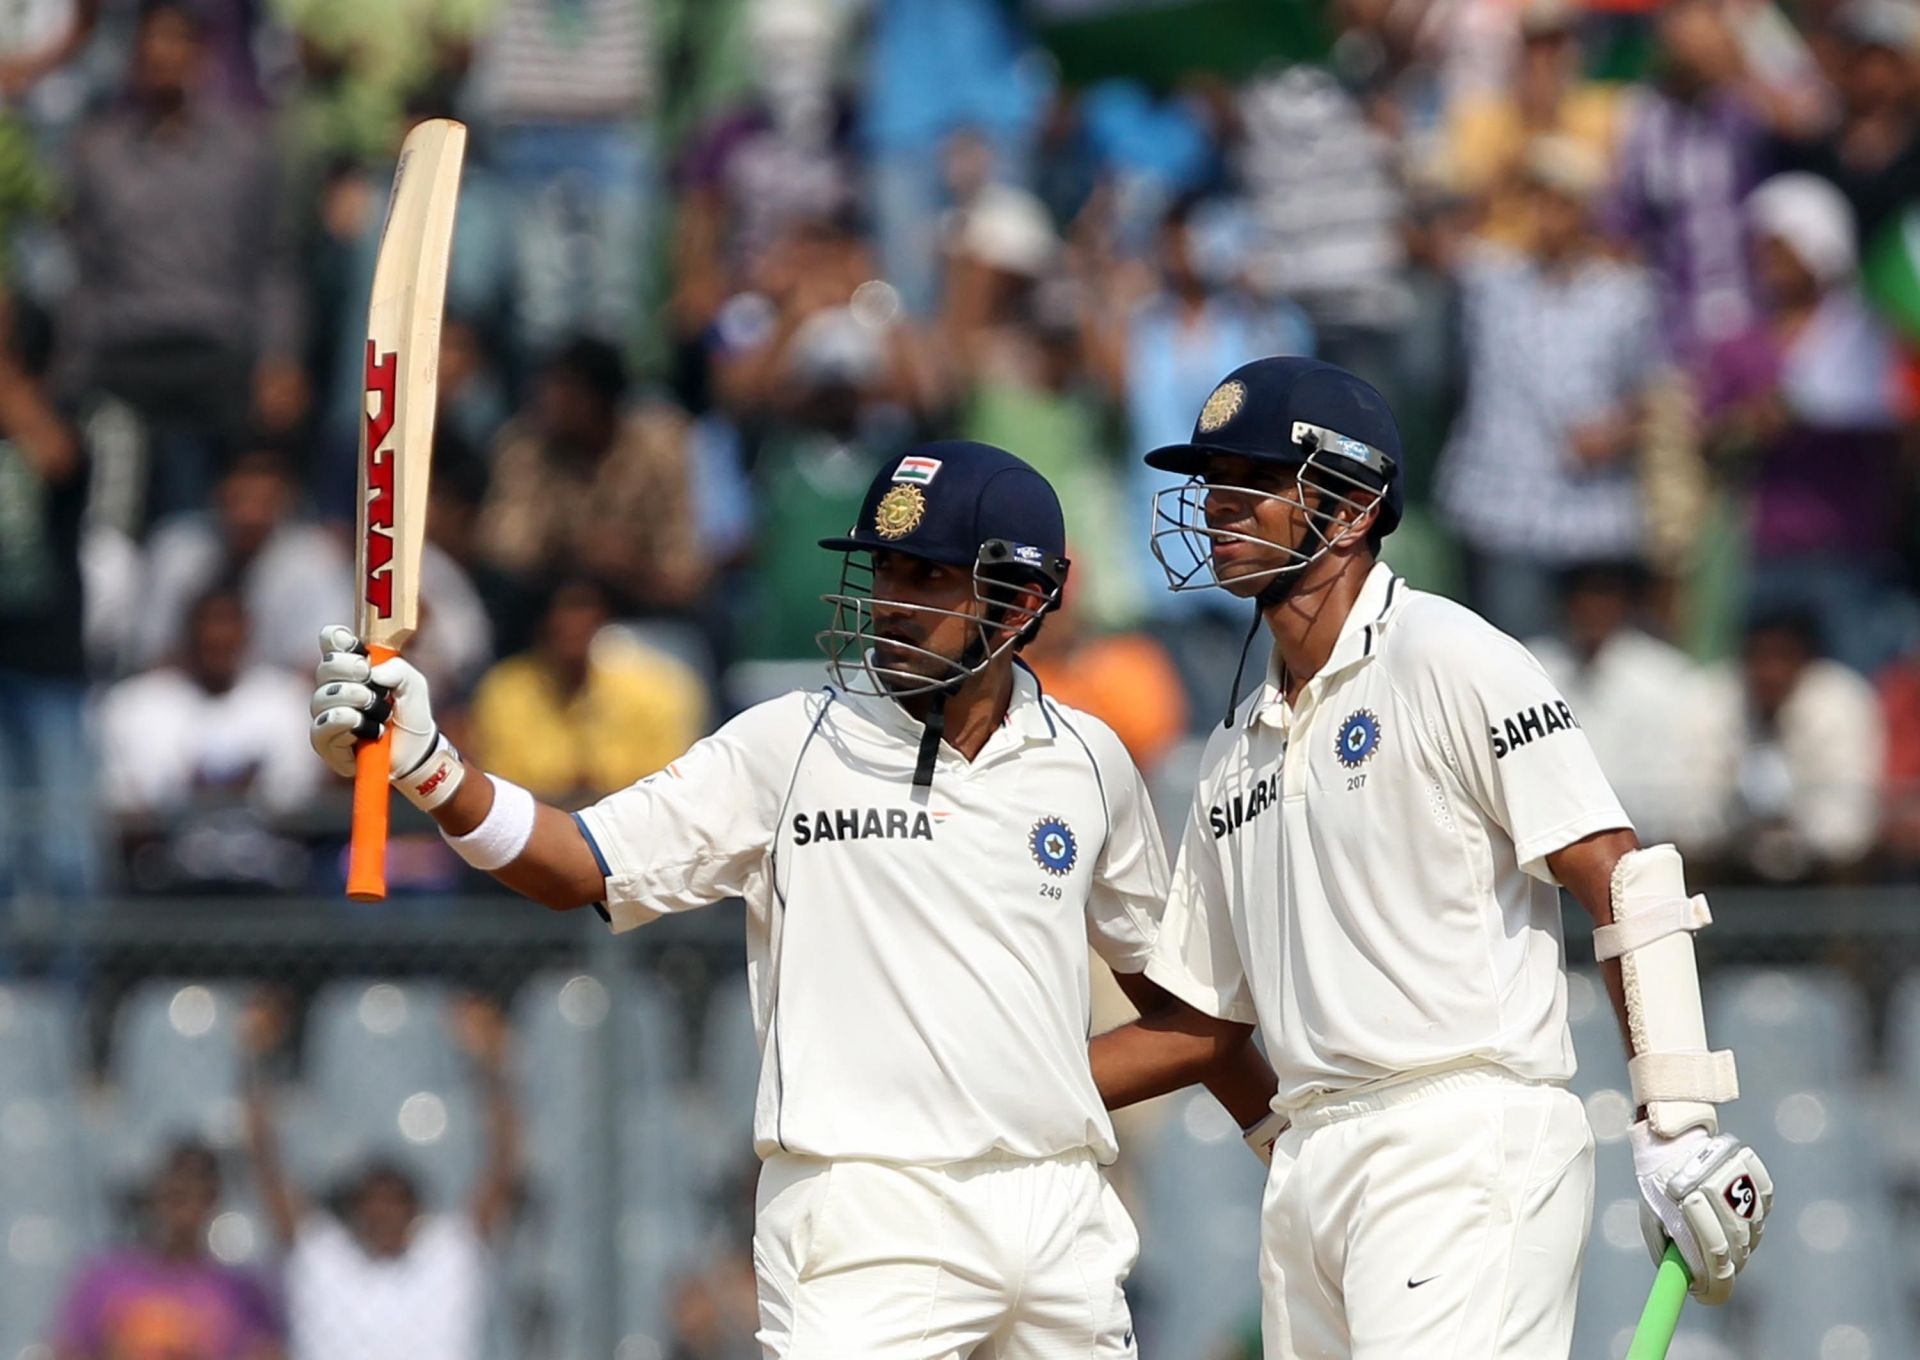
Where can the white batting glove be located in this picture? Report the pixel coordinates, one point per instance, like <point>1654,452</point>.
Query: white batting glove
<point>1709,1194</point>
<point>354,700</point>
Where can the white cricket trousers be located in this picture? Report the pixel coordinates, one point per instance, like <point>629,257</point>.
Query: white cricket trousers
<point>1439,1215</point>
<point>1000,1259</point>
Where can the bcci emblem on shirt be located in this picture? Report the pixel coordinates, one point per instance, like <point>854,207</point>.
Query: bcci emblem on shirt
<point>1359,738</point>
<point>1053,846</point>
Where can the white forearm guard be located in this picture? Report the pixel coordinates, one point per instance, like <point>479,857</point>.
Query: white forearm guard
<point>1673,1072</point>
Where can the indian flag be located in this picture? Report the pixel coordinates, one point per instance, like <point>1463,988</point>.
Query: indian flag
<point>921,470</point>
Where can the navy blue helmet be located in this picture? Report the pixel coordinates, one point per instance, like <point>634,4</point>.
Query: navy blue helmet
<point>1294,410</point>
<point>966,505</point>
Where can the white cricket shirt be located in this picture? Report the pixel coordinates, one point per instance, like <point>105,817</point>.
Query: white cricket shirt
<point>917,957</point>
<point>1363,873</point>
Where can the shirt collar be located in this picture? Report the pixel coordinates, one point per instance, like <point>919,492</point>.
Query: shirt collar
<point>1028,717</point>
<point>1359,639</point>
<point>1360,635</point>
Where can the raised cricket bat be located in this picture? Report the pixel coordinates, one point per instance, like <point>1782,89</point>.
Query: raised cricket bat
<point>396,443</point>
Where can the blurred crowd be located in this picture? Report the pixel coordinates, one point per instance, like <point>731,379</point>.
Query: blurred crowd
<point>1642,282</point>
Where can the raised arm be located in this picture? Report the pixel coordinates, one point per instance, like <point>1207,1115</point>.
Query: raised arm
<point>696,833</point>
<point>537,850</point>
<point>481,1031</point>
<point>263,1027</point>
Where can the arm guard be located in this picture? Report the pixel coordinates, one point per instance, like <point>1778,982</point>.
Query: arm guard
<point>1674,1074</point>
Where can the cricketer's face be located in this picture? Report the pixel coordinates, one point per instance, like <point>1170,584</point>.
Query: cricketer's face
<point>1258,513</point>
<point>925,618</point>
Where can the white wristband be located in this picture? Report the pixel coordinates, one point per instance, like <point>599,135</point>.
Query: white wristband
<point>503,833</point>
<point>434,780</point>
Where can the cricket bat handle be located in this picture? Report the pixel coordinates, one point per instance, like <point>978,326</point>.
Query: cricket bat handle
<point>1662,1316</point>
<point>367,857</point>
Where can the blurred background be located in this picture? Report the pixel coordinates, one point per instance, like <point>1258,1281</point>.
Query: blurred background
<point>1641,280</point>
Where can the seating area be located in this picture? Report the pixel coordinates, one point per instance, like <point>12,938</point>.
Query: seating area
<point>619,1093</point>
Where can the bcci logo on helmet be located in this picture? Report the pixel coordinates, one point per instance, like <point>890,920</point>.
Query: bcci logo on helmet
<point>900,511</point>
<point>1223,405</point>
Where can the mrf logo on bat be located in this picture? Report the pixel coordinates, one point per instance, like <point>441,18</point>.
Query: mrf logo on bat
<point>381,370</point>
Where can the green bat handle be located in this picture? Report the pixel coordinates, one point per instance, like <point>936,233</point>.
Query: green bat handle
<point>1661,1316</point>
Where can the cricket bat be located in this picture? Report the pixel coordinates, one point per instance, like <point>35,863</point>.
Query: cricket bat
<point>396,444</point>
<point>1661,1317</point>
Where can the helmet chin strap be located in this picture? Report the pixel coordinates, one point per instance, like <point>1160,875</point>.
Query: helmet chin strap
<point>930,738</point>
<point>935,730</point>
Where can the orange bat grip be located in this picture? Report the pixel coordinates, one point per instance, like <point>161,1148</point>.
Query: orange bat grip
<point>367,859</point>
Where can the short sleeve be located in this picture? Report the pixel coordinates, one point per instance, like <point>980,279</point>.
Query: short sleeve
<point>1515,744</point>
<point>1130,880</point>
<point>700,830</point>
<point>1197,955</point>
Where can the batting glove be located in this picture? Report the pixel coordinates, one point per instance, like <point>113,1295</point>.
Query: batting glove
<point>353,700</point>
<point>1709,1194</point>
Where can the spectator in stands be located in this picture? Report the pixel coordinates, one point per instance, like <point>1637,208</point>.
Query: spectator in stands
<point>186,305</point>
<point>782,157</point>
<point>360,61</point>
<point>829,420</point>
<point>585,712</point>
<point>294,574</point>
<point>1807,401</point>
<point>1692,143</point>
<point>41,51</point>
<point>47,760</point>
<point>1002,250</point>
<point>1540,471</point>
<point>1490,129</point>
<point>1636,696</point>
<point>585,484</point>
<point>384,1280</point>
<point>1159,342</point>
<point>1899,686</point>
<point>195,755</point>
<point>1013,323</point>
<point>568,90</point>
<point>167,1295</point>
<point>1871,151</point>
<point>814,311</point>
<point>1791,758</point>
<point>934,68</point>
<point>1327,210</point>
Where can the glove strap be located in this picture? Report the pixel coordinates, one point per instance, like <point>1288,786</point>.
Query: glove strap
<point>436,778</point>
